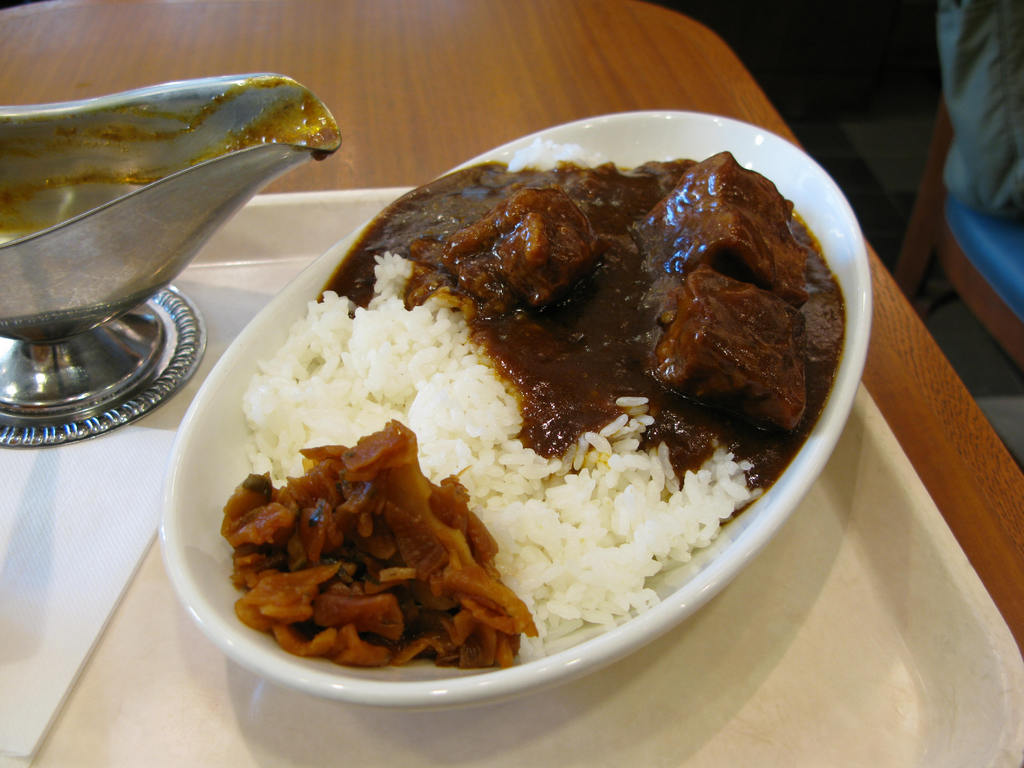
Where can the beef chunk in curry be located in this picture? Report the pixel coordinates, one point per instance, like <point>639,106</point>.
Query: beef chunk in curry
<point>734,345</point>
<point>731,219</point>
<point>529,249</point>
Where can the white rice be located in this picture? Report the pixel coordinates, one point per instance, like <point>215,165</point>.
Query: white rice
<point>580,537</point>
<point>544,153</point>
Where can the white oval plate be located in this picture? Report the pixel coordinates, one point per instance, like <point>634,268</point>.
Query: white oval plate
<point>208,459</point>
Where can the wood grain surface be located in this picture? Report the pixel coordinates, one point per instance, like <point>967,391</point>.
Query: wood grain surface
<point>418,86</point>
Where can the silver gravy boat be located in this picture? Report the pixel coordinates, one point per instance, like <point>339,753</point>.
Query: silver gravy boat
<point>103,202</point>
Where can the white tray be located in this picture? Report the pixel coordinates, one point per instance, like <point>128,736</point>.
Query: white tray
<point>860,637</point>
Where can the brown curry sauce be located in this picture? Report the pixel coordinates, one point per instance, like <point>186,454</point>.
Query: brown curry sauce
<point>570,361</point>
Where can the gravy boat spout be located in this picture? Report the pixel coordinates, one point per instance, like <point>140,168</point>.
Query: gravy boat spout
<point>103,202</point>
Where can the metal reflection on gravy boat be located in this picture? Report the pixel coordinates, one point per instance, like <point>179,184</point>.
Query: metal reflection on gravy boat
<point>103,202</point>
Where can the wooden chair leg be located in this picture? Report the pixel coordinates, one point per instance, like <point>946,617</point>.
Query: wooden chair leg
<point>920,239</point>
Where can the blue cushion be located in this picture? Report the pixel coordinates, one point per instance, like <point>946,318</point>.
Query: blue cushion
<point>996,248</point>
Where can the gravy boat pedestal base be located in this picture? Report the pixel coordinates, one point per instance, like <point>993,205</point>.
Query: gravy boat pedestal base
<point>90,383</point>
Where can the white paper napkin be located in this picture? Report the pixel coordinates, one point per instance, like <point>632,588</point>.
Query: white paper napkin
<point>75,521</point>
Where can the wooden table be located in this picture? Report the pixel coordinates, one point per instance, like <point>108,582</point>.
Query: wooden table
<point>419,86</point>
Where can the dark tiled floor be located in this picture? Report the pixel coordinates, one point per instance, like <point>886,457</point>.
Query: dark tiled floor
<point>877,154</point>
